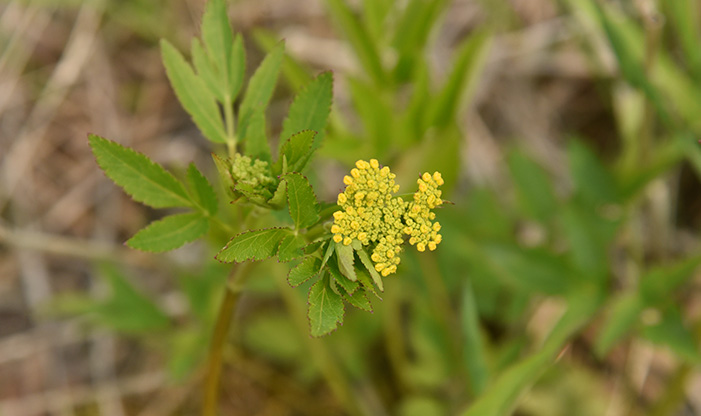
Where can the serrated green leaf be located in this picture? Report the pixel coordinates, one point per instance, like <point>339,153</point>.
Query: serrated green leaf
<point>252,245</point>
<point>301,200</point>
<point>295,152</point>
<point>205,70</point>
<point>291,248</point>
<point>193,94</point>
<point>218,39</point>
<point>348,285</point>
<point>329,251</point>
<point>346,259</point>
<point>308,268</point>
<point>325,308</point>
<point>534,188</point>
<point>170,233</point>
<point>310,109</point>
<point>359,299</point>
<point>202,190</point>
<point>260,87</point>
<point>140,177</point>
<point>369,265</point>
<point>256,140</point>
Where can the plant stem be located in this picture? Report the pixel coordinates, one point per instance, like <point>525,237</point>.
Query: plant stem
<point>319,352</point>
<point>229,121</point>
<point>221,330</point>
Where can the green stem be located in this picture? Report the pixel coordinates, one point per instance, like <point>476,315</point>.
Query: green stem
<point>319,352</point>
<point>221,330</point>
<point>229,121</point>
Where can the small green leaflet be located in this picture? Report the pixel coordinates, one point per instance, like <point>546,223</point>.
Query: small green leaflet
<point>218,39</point>
<point>358,299</point>
<point>224,169</point>
<point>325,308</point>
<point>278,199</point>
<point>365,259</point>
<point>348,285</point>
<point>310,109</point>
<point>296,151</point>
<point>193,94</point>
<point>140,177</point>
<point>345,261</point>
<point>204,195</point>
<point>170,233</point>
<point>301,201</point>
<point>260,87</point>
<point>291,248</point>
<point>252,245</point>
<point>308,268</point>
<point>205,69</point>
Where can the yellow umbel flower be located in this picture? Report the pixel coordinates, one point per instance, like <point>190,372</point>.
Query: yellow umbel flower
<point>374,216</point>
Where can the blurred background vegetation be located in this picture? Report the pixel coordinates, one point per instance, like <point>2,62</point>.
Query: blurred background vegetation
<point>567,281</point>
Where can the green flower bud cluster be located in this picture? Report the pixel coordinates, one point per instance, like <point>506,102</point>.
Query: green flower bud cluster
<point>374,216</point>
<point>250,172</point>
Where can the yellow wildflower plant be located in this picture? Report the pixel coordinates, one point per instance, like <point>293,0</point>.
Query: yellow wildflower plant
<point>373,215</point>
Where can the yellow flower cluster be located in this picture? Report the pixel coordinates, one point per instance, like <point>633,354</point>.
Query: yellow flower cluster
<point>252,172</point>
<point>374,216</point>
<point>418,218</point>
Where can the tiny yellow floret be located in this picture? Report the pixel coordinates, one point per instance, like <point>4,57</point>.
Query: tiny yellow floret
<point>347,241</point>
<point>338,238</point>
<point>347,180</point>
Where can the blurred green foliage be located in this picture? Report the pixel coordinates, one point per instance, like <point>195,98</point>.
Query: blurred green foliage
<point>450,335</point>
